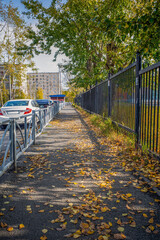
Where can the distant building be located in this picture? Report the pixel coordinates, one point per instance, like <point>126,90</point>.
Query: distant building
<point>48,81</point>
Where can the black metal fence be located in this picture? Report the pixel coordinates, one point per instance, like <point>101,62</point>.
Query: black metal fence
<point>132,99</point>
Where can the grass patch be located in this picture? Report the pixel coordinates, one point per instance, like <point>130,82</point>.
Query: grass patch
<point>122,145</point>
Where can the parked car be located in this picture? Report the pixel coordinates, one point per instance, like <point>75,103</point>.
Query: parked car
<point>17,108</point>
<point>44,103</point>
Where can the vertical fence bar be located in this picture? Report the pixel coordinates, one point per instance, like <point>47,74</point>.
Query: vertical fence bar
<point>33,128</point>
<point>154,112</point>
<point>149,93</point>
<point>109,95</point>
<point>150,142</point>
<point>11,139</point>
<point>137,102</point>
<point>14,144</point>
<point>90,100</point>
<point>157,140</point>
<point>25,131</point>
<point>95,110</point>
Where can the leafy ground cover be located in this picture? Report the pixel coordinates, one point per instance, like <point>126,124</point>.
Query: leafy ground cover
<point>122,146</point>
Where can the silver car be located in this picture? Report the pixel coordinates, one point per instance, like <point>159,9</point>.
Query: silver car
<point>17,108</point>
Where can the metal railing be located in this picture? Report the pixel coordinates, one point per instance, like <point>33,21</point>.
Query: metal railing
<point>17,137</point>
<point>132,99</point>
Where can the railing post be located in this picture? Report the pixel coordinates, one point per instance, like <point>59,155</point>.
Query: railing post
<point>109,95</point>
<point>25,131</point>
<point>33,127</point>
<point>90,100</point>
<point>13,123</point>
<point>40,117</point>
<point>11,139</point>
<point>96,98</point>
<point>137,100</point>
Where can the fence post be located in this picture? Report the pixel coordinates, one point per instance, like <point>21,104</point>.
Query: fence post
<point>109,95</point>
<point>25,131</point>
<point>96,98</point>
<point>11,139</point>
<point>13,132</point>
<point>33,127</point>
<point>90,100</point>
<point>137,100</point>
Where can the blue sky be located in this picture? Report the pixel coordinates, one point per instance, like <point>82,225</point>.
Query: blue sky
<point>43,62</point>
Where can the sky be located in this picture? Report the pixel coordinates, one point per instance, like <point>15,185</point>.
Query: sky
<point>43,62</point>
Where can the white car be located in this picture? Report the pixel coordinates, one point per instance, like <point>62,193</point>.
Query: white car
<point>17,108</point>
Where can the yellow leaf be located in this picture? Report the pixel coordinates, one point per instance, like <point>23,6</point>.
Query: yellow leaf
<point>84,225</point>
<point>43,238</point>
<point>120,229</point>
<point>21,226</point>
<point>90,232</point>
<point>104,209</point>
<point>82,186</point>
<point>3,225</point>
<point>151,220</point>
<point>44,230</point>
<point>76,235</point>
<point>119,236</point>
<point>41,211</point>
<point>133,224</point>
<point>145,215</point>
<point>103,237</point>
<point>124,214</point>
<point>128,194</point>
<point>119,222</point>
<point>74,221</point>
<point>10,229</point>
<point>110,224</point>
<point>78,232</point>
<point>151,228</point>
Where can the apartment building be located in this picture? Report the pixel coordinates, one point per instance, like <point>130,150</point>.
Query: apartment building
<point>48,81</point>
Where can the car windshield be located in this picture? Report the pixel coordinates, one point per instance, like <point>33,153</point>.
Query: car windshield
<point>16,103</point>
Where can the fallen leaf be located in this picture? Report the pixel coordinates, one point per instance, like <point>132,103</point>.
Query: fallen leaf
<point>128,194</point>
<point>21,226</point>
<point>10,229</point>
<point>43,237</point>
<point>3,225</point>
<point>120,229</point>
<point>119,236</point>
<point>151,228</point>
<point>151,220</point>
<point>41,211</point>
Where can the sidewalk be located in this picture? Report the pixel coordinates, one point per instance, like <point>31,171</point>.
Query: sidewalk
<point>68,186</point>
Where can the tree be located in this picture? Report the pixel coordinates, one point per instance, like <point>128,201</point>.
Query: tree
<point>12,34</point>
<point>39,93</point>
<point>97,36</point>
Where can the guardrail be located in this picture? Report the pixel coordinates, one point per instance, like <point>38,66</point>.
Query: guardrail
<point>17,137</point>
